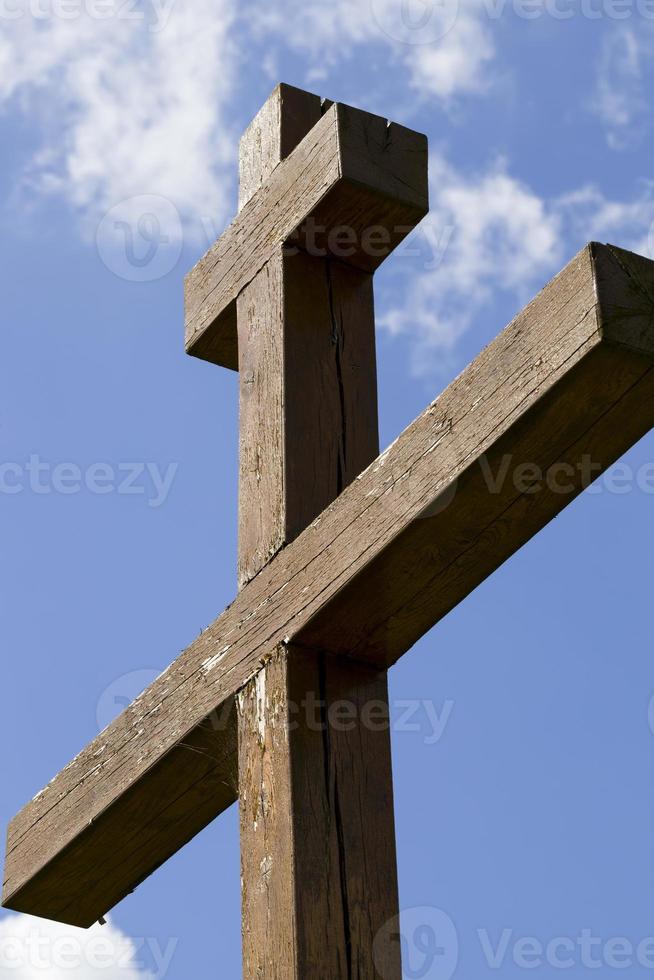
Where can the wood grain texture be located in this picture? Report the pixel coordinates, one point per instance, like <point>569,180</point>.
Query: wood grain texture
<point>308,397</point>
<point>572,376</point>
<point>308,386</point>
<point>352,171</point>
<point>279,126</point>
<point>318,838</point>
<point>318,867</point>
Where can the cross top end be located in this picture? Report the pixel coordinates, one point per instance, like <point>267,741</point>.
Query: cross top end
<point>316,176</point>
<point>286,117</point>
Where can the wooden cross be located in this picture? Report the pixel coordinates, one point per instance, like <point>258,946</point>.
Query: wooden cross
<point>345,558</point>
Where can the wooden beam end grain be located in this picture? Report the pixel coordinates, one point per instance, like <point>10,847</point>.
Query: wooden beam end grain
<point>624,284</point>
<point>381,155</point>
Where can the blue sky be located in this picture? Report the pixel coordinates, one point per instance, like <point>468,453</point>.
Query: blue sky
<point>524,776</point>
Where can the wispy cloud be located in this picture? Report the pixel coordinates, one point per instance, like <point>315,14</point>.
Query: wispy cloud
<point>135,110</point>
<point>444,48</point>
<point>490,235</point>
<point>619,98</point>
<point>137,103</point>
<point>496,235</point>
<point>591,215</point>
<point>458,64</point>
<point>134,106</point>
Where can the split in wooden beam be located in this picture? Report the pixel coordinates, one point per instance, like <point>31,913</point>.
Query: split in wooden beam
<point>569,384</point>
<point>318,861</point>
<point>318,865</point>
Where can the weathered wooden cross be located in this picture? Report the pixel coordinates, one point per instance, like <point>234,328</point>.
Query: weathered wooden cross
<point>345,559</point>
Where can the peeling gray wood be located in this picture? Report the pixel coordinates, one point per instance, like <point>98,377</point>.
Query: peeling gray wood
<point>571,376</point>
<point>319,872</point>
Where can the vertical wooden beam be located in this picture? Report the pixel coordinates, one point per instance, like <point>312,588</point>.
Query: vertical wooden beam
<point>308,397</point>
<point>306,339</point>
<point>315,784</point>
<point>280,125</point>
<point>318,833</point>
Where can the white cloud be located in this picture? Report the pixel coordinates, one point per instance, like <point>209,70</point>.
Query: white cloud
<point>442,45</point>
<point>457,64</point>
<point>135,110</point>
<point>619,99</point>
<point>135,104</point>
<point>495,235</point>
<point>31,949</point>
<point>128,105</point>
<point>489,235</point>
<point>592,216</point>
